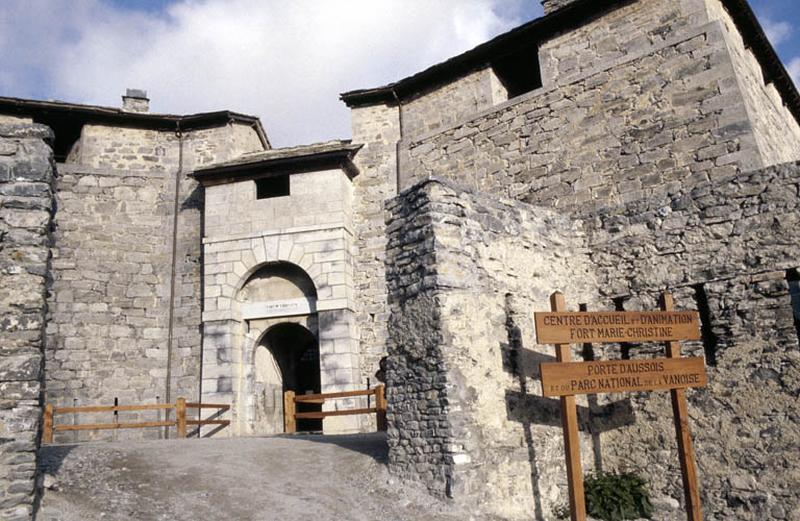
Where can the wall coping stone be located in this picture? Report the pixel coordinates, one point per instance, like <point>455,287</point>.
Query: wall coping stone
<point>27,130</point>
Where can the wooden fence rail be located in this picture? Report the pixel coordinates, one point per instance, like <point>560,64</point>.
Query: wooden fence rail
<point>180,422</point>
<point>290,401</point>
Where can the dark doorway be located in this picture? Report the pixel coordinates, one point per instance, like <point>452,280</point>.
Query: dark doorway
<point>296,351</point>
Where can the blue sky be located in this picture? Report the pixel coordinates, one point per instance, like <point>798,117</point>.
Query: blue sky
<point>283,60</point>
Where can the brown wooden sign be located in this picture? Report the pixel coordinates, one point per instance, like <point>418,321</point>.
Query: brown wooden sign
<point>616,326</point>
<point>567,379</point>
<point>616,376</point>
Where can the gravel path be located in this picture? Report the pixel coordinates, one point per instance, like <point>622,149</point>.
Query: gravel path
<point>310,478</point>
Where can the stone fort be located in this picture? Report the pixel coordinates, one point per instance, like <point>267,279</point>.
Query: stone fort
<point>611,149</point>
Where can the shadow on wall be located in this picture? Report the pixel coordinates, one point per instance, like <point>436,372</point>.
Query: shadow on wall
<point>529,409</point>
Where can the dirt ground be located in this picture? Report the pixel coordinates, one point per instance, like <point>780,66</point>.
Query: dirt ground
<point>309,478</point>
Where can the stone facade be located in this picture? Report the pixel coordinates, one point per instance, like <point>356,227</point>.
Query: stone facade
<point>124,315</point>
<point>649,149</point>
<point>26,207</point>
<point>310,228</point>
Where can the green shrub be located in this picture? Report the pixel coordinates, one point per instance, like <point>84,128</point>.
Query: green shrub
<point>612,496</point>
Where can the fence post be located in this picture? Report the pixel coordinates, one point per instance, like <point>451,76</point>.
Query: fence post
<point>380,404</point>
<point>180,413</point>
<point>289,425</point>
<point>47,431</point>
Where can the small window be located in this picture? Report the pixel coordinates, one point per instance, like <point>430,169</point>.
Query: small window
<point>519,71</point>
<point>269,187</point>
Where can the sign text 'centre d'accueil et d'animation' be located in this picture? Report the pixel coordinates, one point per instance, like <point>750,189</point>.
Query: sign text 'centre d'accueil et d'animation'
<point>565,327</point>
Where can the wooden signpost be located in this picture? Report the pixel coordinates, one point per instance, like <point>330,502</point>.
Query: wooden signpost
<point>567,379</point>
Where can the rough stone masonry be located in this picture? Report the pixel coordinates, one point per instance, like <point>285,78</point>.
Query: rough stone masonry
<point>611,149</point>
<point>26,208</point>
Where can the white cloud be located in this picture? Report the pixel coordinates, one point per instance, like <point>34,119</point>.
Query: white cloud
<point>777,32</point>
<point>794,70</point>
<point>285,61</point>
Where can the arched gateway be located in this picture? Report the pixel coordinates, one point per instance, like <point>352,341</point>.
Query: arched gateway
<point>278,309</point>
<point>285,356</point>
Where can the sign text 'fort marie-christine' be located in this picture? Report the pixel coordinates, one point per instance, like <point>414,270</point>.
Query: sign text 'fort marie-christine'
<point>567,327</point>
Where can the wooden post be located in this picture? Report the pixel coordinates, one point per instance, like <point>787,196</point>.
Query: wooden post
<point>569,420</point>
<point>180,417</point>
<point>380,405</point>
<point>289,423</point>
<point>681,416</point>
<point>47,430</point>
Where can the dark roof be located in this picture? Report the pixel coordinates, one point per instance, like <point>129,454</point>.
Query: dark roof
<point>114,116</point>
<point>558,21</point>
<point>290,160</point>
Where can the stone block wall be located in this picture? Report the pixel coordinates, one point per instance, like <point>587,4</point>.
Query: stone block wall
<point>109,309</point>
<point>125,308</point>
<point>316,199</point>
<point>628,29</point>
<point>733,241</point>
<point>776,130</point>
<point>642,125</point>
<point>26,206</point>
<point>465,273</point>
<point>445,105</point>
<point>378,127</point>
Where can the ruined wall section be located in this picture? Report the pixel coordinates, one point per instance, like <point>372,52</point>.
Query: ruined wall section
<point>733,242</point>
<point>465,274</point>
<point>776,129</point>
<point>26,205</point>
<point>641,125</point>
<point>378,127</point>
<point>117,302</point>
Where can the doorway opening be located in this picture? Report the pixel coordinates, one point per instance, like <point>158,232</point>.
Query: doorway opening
<point>287,359</point>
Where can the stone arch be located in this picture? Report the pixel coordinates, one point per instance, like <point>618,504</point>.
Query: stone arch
<point>276,288</point>
<point>268,250</point>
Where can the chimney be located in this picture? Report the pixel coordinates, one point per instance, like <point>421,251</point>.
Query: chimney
<point>135,100</point>
<point>551,6</point>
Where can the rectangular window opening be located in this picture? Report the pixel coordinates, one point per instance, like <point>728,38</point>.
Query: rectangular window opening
<point>793,279</point>
<point>519,71</point>
<point>706,330</point>
<point>269,187</point>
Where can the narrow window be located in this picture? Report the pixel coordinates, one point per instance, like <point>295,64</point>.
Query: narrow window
<point>588,349</point>
<point>793,278</point>
<point>619,305</point>
<point>706,329</point>
<point>268,187</point>
<point>519,71</point>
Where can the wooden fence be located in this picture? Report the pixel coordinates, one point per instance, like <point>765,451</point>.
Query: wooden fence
<point>180,422</point>
<point>290,401</point>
